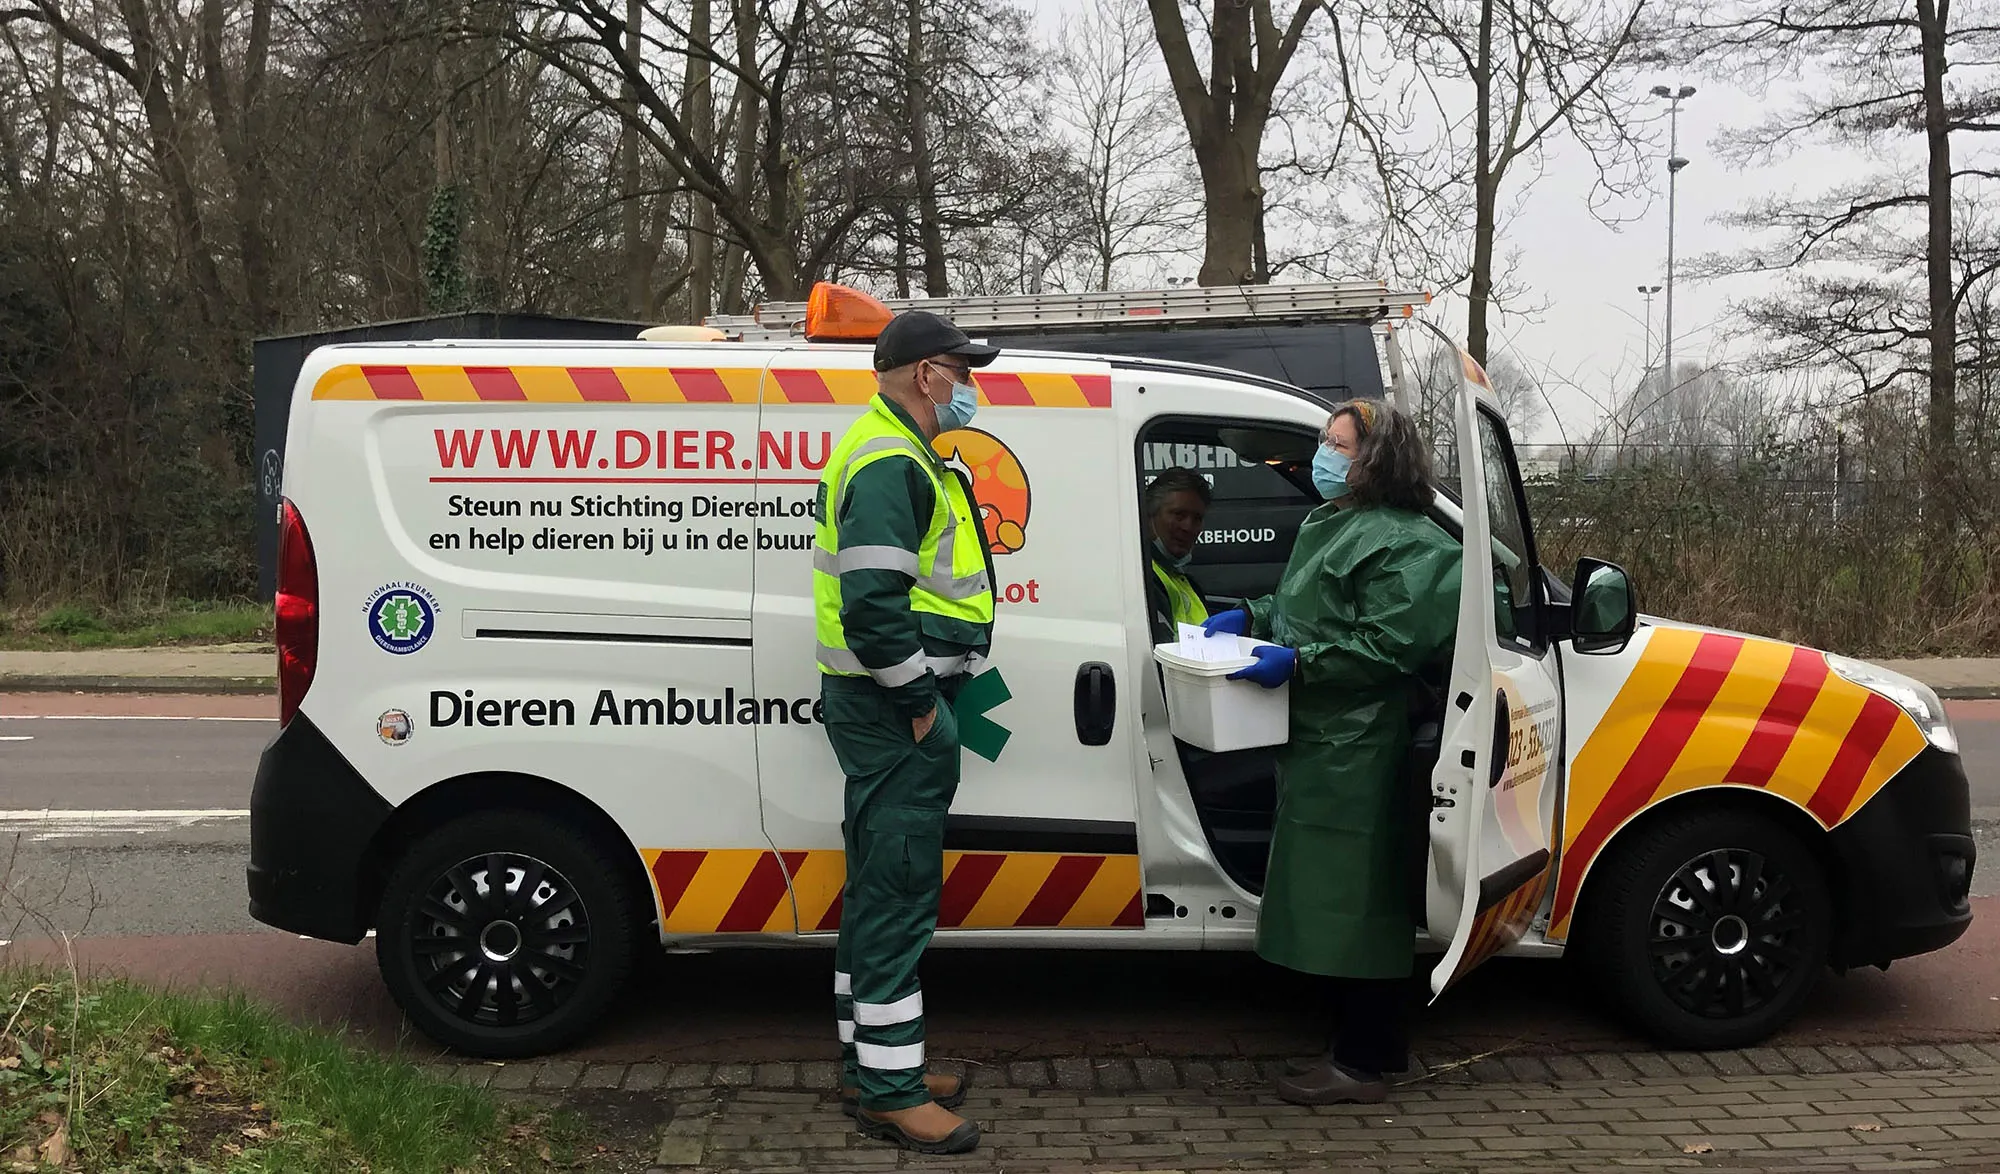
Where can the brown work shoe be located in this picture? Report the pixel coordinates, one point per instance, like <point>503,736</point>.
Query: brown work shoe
<point>925,1129</point>
<point>945,1089</point>
<point>1328,1083</point>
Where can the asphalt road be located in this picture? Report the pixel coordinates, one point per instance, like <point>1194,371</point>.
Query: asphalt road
<point>131,833</point>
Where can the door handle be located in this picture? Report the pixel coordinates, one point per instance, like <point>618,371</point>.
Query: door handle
<point>1096,703</point>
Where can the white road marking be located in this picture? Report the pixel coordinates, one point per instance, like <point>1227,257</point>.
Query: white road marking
<point>41,826</point>
<point>17,737</point>
<point>174,815</point>
<point>117,717</point>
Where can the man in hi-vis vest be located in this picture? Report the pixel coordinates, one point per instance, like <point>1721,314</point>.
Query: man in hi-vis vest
<point>1175,504</point>
<point>903,603</point>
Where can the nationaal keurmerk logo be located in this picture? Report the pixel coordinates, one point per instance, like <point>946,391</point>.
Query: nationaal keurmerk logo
<point>401,617</point>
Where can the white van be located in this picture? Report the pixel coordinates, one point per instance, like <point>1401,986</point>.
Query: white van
<point>548,690</point>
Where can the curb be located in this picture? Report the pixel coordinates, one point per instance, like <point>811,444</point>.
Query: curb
<point>36,683</point>
<point>1149,1074</point>
<point>1969,693</point>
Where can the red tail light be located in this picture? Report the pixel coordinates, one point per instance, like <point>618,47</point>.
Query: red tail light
<point>298,612</point>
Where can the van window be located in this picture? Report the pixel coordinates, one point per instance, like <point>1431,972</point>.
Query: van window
<point>1515,614</point>
<point>1254,517</point>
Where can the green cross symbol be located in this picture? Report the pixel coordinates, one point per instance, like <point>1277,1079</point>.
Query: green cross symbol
<point>400,618</point>
<point>977,732</point>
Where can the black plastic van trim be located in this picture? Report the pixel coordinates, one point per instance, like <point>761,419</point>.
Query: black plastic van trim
<point>1498,886</point>
<point>1006,833</point>
<point>610,637</point>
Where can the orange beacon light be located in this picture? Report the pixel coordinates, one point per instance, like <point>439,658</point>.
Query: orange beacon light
<point>835,313</point>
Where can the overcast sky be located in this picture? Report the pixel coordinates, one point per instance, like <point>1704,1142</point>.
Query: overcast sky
<point>1593,330</point>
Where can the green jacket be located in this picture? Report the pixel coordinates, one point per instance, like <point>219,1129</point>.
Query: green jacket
<point>1369,599</point>
<point>889,503</point>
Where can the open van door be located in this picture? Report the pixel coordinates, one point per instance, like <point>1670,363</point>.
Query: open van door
<point>1495,787</point>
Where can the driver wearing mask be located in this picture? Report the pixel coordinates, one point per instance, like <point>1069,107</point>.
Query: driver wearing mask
<point>1175,505</point>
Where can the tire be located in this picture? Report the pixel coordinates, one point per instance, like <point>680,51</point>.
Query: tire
<point>1756,944</point>
<point>527,977</point>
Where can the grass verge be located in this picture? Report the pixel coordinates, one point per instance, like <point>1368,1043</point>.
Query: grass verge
<point>73,626</point>
<point>110,1076</point>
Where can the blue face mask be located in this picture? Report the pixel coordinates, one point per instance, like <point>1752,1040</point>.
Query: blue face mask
<point>957,412</point>
<point>1179,564</point>
<point>1330,467</point>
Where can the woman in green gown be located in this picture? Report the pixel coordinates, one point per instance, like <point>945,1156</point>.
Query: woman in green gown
<point>1369,598</point>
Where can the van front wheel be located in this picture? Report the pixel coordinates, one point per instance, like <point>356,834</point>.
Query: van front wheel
<point>1708,929</point>
<point>504,934</point>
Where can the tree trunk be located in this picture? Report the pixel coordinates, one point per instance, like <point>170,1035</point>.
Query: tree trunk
<point>632,222</point>
<point>916,114</point>
<point>700,117</point>
<point>237,124</point>
<point>767,245</point>
<point>168,139</point>
<point>1485,191</point>
<point>903,257</point>
<point>1234,202</point>
<point>1940,512</point>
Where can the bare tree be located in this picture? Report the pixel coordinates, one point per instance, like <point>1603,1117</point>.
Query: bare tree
<point>155,69</point>
<point>1879,83</point>
<point>1109,98</point>
<point>1520,72</point>
<point>1226,115</point>
<point>1523,400</point>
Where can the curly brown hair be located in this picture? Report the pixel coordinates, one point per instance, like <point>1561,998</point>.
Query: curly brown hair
<point>1392,465</point>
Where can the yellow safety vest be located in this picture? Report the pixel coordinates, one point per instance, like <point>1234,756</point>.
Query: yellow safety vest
<point>949,566</point>
<point>1187,605</point>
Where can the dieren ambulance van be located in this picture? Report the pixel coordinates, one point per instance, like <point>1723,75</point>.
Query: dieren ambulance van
<point>548,689</point>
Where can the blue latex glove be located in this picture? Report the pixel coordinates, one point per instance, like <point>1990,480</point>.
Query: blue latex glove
<point>1274,666</point>
<point>1235,623</point>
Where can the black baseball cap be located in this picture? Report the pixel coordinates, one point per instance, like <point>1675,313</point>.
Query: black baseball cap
<point>914,335</point>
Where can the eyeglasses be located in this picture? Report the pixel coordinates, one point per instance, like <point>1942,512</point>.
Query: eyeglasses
<point>962,374</point>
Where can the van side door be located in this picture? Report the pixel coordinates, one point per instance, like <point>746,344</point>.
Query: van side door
<point>1043,834</point>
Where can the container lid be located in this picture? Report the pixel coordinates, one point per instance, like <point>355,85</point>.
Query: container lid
<point>1170,655</point>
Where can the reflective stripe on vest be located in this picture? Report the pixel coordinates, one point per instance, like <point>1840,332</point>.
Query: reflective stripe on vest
<point>1187,606</point>
<point>948,567</point>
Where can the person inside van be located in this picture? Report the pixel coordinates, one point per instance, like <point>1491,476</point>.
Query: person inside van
<point>1368,600</point>
<point>1174,506</point>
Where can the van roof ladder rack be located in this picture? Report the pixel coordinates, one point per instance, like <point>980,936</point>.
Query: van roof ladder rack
<point>1227,305</point>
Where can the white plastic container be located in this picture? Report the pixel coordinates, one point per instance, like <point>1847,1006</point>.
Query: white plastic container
<point>1206,709</point>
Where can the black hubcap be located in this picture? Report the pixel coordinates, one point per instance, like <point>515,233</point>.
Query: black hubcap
<point>501,940</point>
<point>1724,933</point>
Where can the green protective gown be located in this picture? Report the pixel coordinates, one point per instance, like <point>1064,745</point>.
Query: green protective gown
<point>1369,597</point>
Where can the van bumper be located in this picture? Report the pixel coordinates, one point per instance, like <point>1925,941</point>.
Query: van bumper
<point>1908,857</point>
<point>312,821</point>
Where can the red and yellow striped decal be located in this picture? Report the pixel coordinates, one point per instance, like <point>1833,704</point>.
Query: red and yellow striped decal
<point>744,890</point>
<point>681,385</point>
<point>1503,924</point>
<point>1704,709</point>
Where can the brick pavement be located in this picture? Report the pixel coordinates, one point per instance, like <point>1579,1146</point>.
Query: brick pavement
<point>1785,1109</point>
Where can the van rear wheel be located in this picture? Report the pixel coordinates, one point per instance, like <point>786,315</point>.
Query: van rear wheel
<point>1708,929</point>
<point>504,934</point>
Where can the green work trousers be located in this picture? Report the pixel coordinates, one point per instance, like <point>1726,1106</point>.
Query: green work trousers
<point>898,791</point>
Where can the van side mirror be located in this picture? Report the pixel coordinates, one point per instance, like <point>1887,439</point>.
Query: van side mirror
<point>1604,612</point>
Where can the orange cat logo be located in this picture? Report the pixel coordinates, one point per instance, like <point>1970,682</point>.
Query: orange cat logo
<point>999,484</point>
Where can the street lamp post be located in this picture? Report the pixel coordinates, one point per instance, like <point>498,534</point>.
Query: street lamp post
<point>1648,291</point>
<point>1674,98</point>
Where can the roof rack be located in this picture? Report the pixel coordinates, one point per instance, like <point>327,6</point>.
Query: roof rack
<point>1228,305</point>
